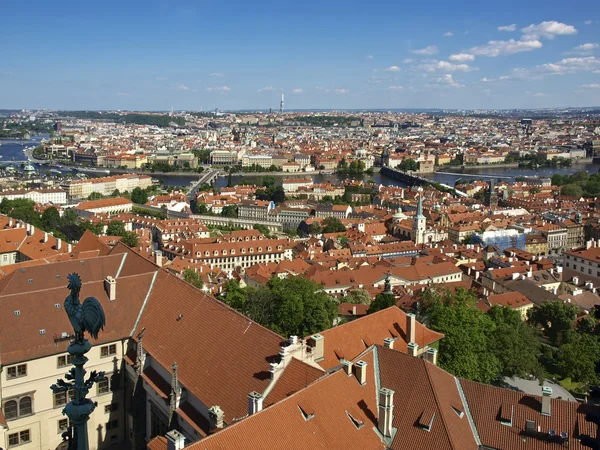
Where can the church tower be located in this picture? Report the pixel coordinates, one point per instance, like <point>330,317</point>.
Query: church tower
<point>418,227</point>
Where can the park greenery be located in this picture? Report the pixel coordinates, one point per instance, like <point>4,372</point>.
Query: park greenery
<point>292,306</point>
<point>408,164</point>
<point>580,184</point>
<point>354,168</point>
<point>533,160</point>
<point>20,130</point>
<point>486,346</point>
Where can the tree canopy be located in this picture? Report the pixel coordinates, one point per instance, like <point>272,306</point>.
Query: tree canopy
<point>382,301</point>
<point>192,277</point>
<point>358,296</point>
<point>333,225</point>
<point>555,319</point>
<point>116,228</point>
<point>139,196</point>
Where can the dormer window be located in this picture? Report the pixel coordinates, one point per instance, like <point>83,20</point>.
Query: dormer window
<point>207,253</point>
<point>232,252</point>
<point>216,253</point>
<point>243,250</point>
<point>224,252</point>
<point>259,249</point>
<point>251,249</point>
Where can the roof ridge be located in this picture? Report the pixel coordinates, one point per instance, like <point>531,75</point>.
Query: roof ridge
<point>437,401</point>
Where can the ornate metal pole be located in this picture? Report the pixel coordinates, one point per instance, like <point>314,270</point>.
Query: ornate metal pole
<point>89,317</point>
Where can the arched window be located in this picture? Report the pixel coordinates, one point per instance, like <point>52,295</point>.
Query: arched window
<point>10,410</point>
<point>25,406</point>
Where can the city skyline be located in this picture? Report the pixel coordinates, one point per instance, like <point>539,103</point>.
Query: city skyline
<point>151,56</point>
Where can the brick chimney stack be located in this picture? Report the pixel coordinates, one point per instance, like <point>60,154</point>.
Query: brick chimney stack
<point>386,409</point>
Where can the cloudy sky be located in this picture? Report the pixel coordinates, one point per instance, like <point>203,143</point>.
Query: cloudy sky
<point>192,55</point>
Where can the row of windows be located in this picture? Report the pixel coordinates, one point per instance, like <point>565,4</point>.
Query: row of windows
<point>20,370</point>
<point>18,407</point>
<point>582,269</point>
<point>232,252</point>
<point>20,438</point>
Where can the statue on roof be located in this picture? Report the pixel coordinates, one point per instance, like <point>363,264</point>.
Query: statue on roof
<point>88,316</point>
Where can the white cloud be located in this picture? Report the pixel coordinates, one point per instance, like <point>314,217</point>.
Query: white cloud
<point>571,65</point>
<point>512,27</point>
<point>393,69</point>
<point>298,91</point>
<point>461,57</point>
<point>218,89</point>
<point>429,50</point>
<point>342,91</point>
<point>485,80</point>
<point>217,74</point>
<point>445,81</point>
<point>182,87</point>
<point>586,49</point>
<point>537,94</point>
<point>268,89</point>
<point>588,22</point>
<point>504,77</point>
<point>448,34</point>
<point>408,60</point>
<point>395,88</point>
<point>591,86</point>
<point>547,29</point>
<point>433,65</point>
<point>497,48</point>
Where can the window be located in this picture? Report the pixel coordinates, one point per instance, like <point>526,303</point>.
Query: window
<point>64,361</point>
<point>20,438</point>
<point>111,408</point>
<point>112,425</point>
<point>108,350</point>
<point>104,386</point>
<point>16,371</point>
<point>17,407</point>
<point>63,424</point>
<point>60,399</point>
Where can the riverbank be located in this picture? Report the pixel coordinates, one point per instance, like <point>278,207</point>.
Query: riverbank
<point>515,165</point>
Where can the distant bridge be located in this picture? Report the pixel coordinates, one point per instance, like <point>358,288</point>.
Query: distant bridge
<point>412,178</point>
<point>206,178</point>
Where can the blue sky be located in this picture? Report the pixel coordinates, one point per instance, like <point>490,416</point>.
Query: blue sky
<point>151,55</point>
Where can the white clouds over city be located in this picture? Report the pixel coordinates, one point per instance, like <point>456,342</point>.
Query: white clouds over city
<point>428,51</point>
<point>433,65</point>
<point>393,69</point>
<point>547,29</point>
<point>512,27</point>
<point>461,57</point>
<point>218,89</point>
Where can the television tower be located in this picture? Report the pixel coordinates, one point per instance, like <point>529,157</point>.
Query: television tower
<point>281,104</point>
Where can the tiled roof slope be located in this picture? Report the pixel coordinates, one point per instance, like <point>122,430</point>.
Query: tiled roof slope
<point>315,418</point>
<point>296,376</point>
<point>89,241</point>
<point>37,312</point>
<point>222,354</point>
<point>352,338</point>
<point>485,403</point>
<point>424,390</point>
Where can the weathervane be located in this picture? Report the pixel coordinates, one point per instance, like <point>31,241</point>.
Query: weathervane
<point>87,316</point>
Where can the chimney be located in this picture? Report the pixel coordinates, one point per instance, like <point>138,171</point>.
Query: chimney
<point>45,237</point>
<point>110,286</point>
<point>215,415</point>
<point>431,355</point>
<point>175,440</point>
<point>30,229</point>
<point>158,258</point>
<point>411,321</point>
<point>347,367</point>
<point>58,244</point>
<point>546,397</point>
<point>360,371</point>
<point>388,342</point>
<point>69,248</point>
<point>317,343</point>
<point>10,223</point>
<point>412,349</point>
<point>255,402</point>
<point>386,409</point>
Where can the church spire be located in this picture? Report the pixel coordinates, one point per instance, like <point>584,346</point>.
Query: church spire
<point>420,202</point>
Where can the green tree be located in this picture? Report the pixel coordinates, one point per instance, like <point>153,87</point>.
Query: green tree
<point>139,196</point>
<point>466,349</point>
<point>201,208</point>
<point>514,343</point>
<point>382,301</point>
<point>333,225</point>
<point>229,211</point>
<point>116,228</point>
<point>554,317</point>
<point>409,164</point>
<point>69,217</point>
<point>234,295</point>
<point>130,239</point>
<point>192,277</point>
<point>572,190</point>
<point>314,228</point>
<point>577,358</point>
<point>95,196</point>
<point>263,229</point>
<point>358,296</point>
<point>51,219</point>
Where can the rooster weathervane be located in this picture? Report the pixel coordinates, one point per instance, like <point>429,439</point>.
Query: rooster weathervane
<point>87,316</point>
